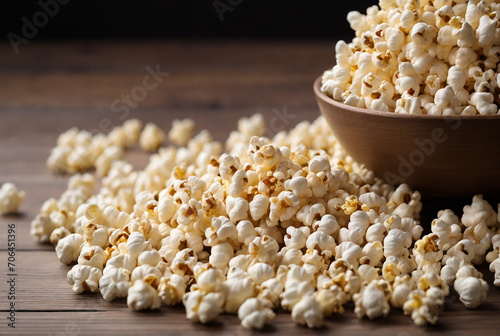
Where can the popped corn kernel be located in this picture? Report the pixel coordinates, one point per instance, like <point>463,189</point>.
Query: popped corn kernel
<point>254,313</point>
<point>10,198</point>
<point>151,137</point>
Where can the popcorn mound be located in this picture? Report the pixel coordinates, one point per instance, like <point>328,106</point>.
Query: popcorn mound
<point>420,57</point>
<point>289,222</point>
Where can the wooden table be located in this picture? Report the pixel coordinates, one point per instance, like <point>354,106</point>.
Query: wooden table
<point>50,87</point>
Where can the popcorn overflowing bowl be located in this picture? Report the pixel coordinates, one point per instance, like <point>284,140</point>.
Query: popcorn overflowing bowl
<point>437,155</point>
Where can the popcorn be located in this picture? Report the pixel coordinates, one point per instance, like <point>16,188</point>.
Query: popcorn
<point>42,228</point>
<point>77,150</point>
<point>68,248</point>
<point>472,290</point>
<point>181,131</point>
<point>92,256</point>
<point>142,296</point>
<point>10,198</point>
<point>104,161</point>
<point>403,44</point>
<point>291,222</point>
<point>254,313</point>
<point>146,273</point>
<point>57,234</point>
<point>202,307</point>
<point>83,278</point>
<point>171,289</point>
<point>137,243</point>
<point>271,290</point>
<point>114,283</point>
<point>372,301</point>
<point>258,206</point>
<point>308,312</point>
<point>260,272</point>
<point>221,254</point>
<point>424,306</point>
<point>151,137</point>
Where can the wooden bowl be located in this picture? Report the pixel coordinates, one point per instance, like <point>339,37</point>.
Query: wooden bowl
<point>442,156</point>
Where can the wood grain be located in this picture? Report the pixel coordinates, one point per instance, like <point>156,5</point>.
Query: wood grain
<point>50,87</point>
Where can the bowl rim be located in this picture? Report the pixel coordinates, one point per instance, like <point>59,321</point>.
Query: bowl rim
<point>359,110</point>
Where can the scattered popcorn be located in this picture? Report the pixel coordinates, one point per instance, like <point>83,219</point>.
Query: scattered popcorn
<point>79,150</point>
<point>10,198</point>
<point>290,222</point>
<point>420,58</point>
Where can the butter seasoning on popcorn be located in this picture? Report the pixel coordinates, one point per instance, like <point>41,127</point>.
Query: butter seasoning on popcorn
<point>420,57</point>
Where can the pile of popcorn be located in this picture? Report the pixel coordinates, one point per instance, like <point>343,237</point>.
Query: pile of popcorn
<point>420,57</point>
<point>289,222</point>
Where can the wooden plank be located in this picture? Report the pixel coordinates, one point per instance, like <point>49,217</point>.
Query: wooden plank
<point>117,56</point>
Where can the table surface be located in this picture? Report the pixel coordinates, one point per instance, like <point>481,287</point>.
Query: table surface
<point>51,86</point>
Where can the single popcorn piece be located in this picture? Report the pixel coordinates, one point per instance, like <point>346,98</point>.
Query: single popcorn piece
<point>151,138</point>
<point>68,248</point>
<point>424,306</point>
<point>114,283</point>
<point>171,289</point>
<point>472,290</point>
<point>308,312</point>
<point>372,301</point>
<point>84,278</point>
<point>10,198</point>
<point>255,313</point>
<point>201,307</point>
<point>142,295</point>
<point>181,131</point>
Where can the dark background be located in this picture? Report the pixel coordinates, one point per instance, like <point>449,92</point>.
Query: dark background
<point>101,19</point>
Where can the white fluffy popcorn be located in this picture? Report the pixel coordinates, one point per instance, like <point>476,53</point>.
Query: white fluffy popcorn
<point>372,301</point>
<point>181,131</point>
<point>472,290</point>
<point>68,249</point>
<point>114,283</point>
<point>79,150</point>
<point>308,312</point>
<point>10,198</point>
<point>142,295</point>
<point>202,307</point>
<point>151,137</point>
<point>254,313</point>
<point>419,58</point>
<point>84,278</point>
<point>289,222</point>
